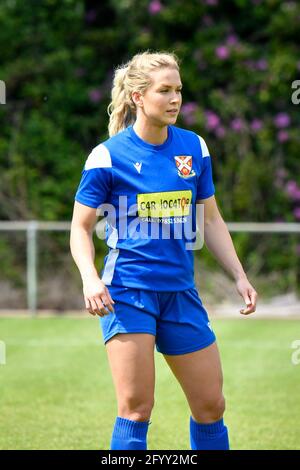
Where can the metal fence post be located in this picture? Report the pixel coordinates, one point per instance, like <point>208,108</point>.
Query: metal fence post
<point>32,267</point>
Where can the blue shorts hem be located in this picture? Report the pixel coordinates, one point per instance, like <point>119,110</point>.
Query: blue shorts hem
<point>188,350</point>
<point>122,330</point>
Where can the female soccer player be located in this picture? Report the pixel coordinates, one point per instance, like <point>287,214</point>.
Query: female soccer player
<point>150,177</point>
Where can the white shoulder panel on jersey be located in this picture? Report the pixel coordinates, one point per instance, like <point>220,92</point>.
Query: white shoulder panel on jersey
<point>205,152</point>
<point>98,158</point>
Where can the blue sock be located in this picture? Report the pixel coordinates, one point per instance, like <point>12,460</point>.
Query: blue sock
<point>213,436</point>
<point>129,434</point>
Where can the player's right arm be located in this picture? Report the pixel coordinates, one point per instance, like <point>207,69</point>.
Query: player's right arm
<point>96,294</point>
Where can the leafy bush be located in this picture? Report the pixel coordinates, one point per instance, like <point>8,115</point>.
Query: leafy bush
<point>237,66</point>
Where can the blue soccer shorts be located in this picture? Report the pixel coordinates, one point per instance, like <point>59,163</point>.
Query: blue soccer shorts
<point>178,320</point>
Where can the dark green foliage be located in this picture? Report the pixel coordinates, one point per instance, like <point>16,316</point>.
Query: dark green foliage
<point>238,62</point>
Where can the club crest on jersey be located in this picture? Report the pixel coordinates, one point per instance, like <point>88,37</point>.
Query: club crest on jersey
<point>184,165</point>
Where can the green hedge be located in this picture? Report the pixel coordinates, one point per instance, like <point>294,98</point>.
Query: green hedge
<point>238,62</point>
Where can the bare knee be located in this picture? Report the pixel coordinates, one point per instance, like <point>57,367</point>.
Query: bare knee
<point>135,409</point>
<point>210,410</point>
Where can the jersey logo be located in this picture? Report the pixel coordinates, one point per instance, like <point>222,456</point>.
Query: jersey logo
<point>138,166</point>
<point>164,204</point>
<point>184,165</point>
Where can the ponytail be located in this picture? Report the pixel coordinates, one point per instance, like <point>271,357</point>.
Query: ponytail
<point>121,110</point>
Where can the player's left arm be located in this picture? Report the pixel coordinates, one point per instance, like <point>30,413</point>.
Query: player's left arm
<point>218,240</point>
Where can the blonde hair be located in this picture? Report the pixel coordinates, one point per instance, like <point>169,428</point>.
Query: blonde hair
<point>130,77</point>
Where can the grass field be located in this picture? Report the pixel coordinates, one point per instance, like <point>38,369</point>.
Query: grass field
<point>56,391</point>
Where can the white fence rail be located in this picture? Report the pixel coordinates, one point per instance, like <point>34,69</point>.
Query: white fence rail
<point>33,226</point>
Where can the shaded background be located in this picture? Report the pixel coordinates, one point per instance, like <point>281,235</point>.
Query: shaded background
<point>238,62</point>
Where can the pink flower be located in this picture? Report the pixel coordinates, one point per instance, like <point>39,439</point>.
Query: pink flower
<point>220,132</point>
<point>232,40</point>
<point>282,120</point>
<point>212,120</point>
<point>237,124</point>
<point>95,95</point>
<point>188,111</point>
<point>293,190</point>
<point>262,64</point>
<point>154,7</point>
<point>188,108</point>
<point>190,120</point>
<point>256,125</point>
<point>296,195</point>
<point>282,136</point>
<point>296,213</point>
<point>222,52</point>
<point>211,3</point>
<point>291,186</point>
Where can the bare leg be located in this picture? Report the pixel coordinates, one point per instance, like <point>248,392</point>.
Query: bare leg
<point>131,359</point>
<point>200,376</point>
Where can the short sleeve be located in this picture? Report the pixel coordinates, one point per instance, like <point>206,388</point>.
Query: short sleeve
<point>96,180</point>
<point>205,184</point>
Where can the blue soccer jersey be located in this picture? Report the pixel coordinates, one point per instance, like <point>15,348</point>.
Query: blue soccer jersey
<point>148,193</point>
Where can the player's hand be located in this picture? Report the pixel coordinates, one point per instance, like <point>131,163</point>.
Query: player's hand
<point>97,297</point>
<point>247,291</point>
